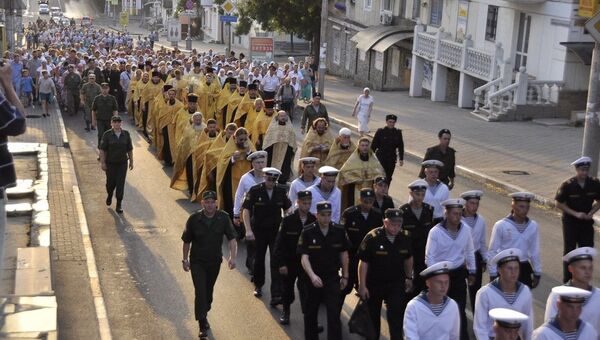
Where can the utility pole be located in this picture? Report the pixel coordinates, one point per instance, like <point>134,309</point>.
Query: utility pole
<point>228,40</point>
<point>323,47</point>
<point>591,133</point>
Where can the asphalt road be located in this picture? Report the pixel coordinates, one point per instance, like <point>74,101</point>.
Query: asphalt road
<point>147,293</point>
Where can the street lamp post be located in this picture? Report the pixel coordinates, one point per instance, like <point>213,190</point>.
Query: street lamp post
<point>188,40</point>
<point>323,48</point>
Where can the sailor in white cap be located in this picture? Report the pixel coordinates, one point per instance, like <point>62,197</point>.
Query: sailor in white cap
<point>307,177</point>
<point>436,190</point>
<point>507,323</point>
<point>580,265</point>
<point>567,324</point>
<point>518,231</point>
<point>504,292</point>
<point>450,240</point>
<point>326,190</point>
<point>432,314</point>
<point>576,197</point>
<point>477,223</point>
<point>418,220</point>
<point>253,177</point>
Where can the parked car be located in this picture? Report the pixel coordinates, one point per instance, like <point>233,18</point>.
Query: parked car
<point>65,21</point>
<point>43,9</point>
<point>55,11</point>
<point>43,2</point>
<point>86,21</point>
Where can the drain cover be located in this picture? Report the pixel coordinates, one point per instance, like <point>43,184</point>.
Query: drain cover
<point>145,229</point>
<point>33,116</point>
<point>515,172</point>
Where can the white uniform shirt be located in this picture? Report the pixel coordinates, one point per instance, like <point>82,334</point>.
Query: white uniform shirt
<point>549,331</point>
<point>590,312</point>
<point>505,235</point>
<point>247,181</point>
<point>478,235</point>
<point>421,323</point>
<point>298,185</point>
<point>270,83</point>
<point>442,247</point>
<point>489,297</point>
<point>434,196</point>
<point>334,197</point>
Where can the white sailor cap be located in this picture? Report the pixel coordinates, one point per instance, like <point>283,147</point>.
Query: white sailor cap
<point>345,132</point>
<point>507,318</point>
<point>272,172</point>
<point>522,196</point>
<point>453,203</point>
<point>571,294</point>
<point>418,185</point>
<point>582,161</point>
<point>436,269</point>
<point>328,170</point>
<point>256,155</point>
<point>431,163</point>
<point>507,255</point>
<point>467,195</point>
<point>309,160</point>
<point>583,253</point>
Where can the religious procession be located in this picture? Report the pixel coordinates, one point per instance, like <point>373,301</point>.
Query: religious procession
<point>316,200</point>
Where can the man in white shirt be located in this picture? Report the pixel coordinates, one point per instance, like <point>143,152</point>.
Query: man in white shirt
<point>451,240</point>
<point>306,178</point>
<point>507,323</point>
<point>326,190</point>
<point>518,231</point>
<point>270,83</point>
<point>432,315</point>
<point>437,192</point>
<point>247,181</point>
<point>581,267</point>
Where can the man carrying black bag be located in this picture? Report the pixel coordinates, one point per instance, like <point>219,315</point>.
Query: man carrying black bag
<point>382,252</point>
<point>361,323</point>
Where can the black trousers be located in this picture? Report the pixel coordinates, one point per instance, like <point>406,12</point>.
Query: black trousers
<point>458,292</point>
<point>352,278</point>
<point>393,295</point>
<point>478,276</point>
<point>166,146</point>
<point>388,167</point>
<point>145,118</point>
<point>204,276</point>
<point>115,179</point>
<point>575,236</point>
<point>189,173</point>
<point>329,294</point>
<point>103,126</point>
<point>295,276</point>
<point>73,101</point>
<point>525,272</point>
<point>288,106</point>
<point>265,238</point>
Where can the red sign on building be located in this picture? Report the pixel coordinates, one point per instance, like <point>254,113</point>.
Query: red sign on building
<point>261,44</point>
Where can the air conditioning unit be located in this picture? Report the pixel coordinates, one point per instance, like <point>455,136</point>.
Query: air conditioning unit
<point>385,18</point>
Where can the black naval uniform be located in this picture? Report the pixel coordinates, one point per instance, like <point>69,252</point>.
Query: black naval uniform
<point>418,227</point>
<point>386,277</point>
<point>448,158</point>
<point>206,236</point>
<point>388,146</point>
<point>116,149</point>
<point>577,233</point>
<point>286,256</point>
<point>266,215</point>
<point>386,204</point>
<point>324,255</point>
<point>357,226</point>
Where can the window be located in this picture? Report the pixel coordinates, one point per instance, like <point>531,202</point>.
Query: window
<point>416,10</point>
<point>368,5</point>
<point>522,41</point>
<point>387,5</point>
<point>435,14</point>
<point>491,23</point>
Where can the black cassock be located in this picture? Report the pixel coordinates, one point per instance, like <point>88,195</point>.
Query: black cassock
<point>286,167</point>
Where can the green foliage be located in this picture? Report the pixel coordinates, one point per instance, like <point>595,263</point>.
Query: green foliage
<point>302,18</point>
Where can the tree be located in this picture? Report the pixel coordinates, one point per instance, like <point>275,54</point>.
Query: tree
<point>302,18</point>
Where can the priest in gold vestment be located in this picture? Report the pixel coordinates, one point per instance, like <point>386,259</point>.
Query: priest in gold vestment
<point>341,149</point>
<point>183,168</point>
<point>318,141</point>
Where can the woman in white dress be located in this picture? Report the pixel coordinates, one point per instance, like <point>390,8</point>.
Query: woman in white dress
<point>362,110</point>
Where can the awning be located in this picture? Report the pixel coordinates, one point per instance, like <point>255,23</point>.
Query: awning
<point>370,36</point>
<point>390,40</point>
<point>583,50</point>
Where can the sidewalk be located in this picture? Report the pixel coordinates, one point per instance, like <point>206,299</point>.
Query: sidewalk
<point>69,256</point>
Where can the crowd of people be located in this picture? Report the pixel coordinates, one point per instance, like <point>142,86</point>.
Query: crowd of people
<point>320,205</point>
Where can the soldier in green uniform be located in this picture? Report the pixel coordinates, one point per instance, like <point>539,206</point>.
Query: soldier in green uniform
<point>89,91</point>
<point>103,108</point>
<point>204,231</point>
<point>116,149</point>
